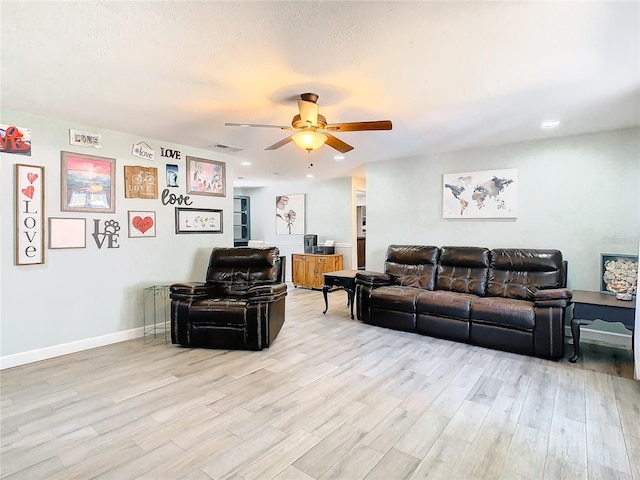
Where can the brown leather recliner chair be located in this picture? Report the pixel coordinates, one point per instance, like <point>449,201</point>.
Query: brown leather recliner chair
<point>241,306</point>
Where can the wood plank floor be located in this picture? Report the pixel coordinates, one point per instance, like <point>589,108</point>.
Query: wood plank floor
<point>331,399</point>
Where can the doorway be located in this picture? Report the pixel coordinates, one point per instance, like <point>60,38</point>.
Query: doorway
<point>361,230</point>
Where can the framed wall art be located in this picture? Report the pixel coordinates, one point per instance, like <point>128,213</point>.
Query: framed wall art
<point>67,232</point>
<point>205,177</point>
<point>618,274</point>
<point>142,224</point>
<point>290,214</point>
<point>29,200</point>
<point>198,220</point>
<point>15,139</point>
<point>87,183</point>
<point>140,182</point>
<point>172,175</point>
<point>484,194</point>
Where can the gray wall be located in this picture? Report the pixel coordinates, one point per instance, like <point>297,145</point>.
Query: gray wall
<point>330,213</point>
<point>577,194</point>
<point>93,293</point>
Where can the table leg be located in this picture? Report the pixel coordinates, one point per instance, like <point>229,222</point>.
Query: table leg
<point>350,294</point>
<point>575,333</point>
<point>325,289</point>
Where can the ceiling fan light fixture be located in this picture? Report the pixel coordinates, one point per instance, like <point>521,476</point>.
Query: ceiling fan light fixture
<point>309,140</point>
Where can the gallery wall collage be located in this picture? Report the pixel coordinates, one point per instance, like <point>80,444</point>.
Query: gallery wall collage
<point>88,184</point>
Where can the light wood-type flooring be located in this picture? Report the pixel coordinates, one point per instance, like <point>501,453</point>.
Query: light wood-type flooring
<point>331,399</point>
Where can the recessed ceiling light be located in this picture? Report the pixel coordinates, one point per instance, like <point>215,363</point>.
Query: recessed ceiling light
<point>309,175</point>
<point>245,163</point>
<point>339,157</point>
<point>550,124</point>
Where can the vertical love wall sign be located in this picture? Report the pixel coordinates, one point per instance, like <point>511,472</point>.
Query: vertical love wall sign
<point>29,214</point>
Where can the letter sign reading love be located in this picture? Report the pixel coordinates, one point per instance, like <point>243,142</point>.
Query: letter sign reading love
<point>29,215</point>
<point>171,199</point>
<point>170,153</point>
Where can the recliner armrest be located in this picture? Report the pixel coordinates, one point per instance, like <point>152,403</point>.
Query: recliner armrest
<point>552,297</point>
<point>373,279</point>
<point>272,290</point>
<point>192,290</point>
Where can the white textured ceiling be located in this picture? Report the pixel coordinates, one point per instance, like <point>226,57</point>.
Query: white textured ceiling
<point>449,75</point>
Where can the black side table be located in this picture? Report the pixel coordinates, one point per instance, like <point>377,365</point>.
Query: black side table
<point>590,306</point>
<point>343,279</point>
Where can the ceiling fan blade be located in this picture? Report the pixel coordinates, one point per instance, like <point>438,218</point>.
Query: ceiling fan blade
<point>359,126</point>
<point>261,125</point>
<point>279,144</point>
<point>338,144</point>
<point>308,112</point>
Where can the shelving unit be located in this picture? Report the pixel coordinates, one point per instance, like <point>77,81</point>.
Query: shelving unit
<point>241,220</point>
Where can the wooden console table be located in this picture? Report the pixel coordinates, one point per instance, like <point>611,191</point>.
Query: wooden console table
<point>590,306</point>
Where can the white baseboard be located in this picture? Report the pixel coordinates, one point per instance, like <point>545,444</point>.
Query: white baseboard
<point>31,356</point>
<point>589,335</point>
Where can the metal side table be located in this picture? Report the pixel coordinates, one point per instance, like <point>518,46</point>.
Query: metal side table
<point>150,298</point>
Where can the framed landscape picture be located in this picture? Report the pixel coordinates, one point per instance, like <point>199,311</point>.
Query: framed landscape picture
<point>87,183</point>
<point>205,177</point>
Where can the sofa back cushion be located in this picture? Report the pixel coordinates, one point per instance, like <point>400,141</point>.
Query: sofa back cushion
<point>518,273</point>
<point>412,265</point>
<point>464,270</point>
<point>237,269</point>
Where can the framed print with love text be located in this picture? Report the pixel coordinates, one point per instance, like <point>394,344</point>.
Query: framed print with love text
<point>142,224</point>
<point>29,214</point>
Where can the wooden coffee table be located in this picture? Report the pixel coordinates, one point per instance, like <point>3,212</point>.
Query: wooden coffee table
<point>590,306</point>
<point>343,280</point>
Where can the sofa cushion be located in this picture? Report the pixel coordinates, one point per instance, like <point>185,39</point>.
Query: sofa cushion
<point>519,273</point>
<point>395,297</point>
<point>503,312</point>
<point>412,265</point>
<point>444,304</point>
<point>463,269</point>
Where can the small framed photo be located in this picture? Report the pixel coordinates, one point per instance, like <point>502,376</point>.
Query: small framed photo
<point>198,220</point>
<point>67,232</point>
<point>29,204</point>
<point>618,274</point>
<point>87,183</point>
<point>142,224</point>
<point>205,177</point>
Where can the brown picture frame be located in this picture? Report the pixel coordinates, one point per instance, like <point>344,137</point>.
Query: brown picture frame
<point>29,219</point>
<point>206,177</point>
<point>87,183</point>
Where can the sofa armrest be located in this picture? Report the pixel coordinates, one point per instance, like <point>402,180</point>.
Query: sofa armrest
<point>373,279</point>
<point>192,291</point>
<point>552,297</point>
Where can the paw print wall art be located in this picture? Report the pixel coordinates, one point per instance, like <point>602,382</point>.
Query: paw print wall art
<point>109,233</point>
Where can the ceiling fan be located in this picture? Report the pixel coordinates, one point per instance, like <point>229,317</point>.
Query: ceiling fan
<point>312,129</point>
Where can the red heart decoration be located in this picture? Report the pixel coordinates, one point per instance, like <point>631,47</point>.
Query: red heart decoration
<point>28,191</point>
<point>32,177</point>
<point>142,224</point>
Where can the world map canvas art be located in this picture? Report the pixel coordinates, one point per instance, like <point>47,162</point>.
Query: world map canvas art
<point>484,194</point>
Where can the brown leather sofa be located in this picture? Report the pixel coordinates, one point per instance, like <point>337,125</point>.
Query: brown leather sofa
<point>241,305</point>
<point>508,299</point>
